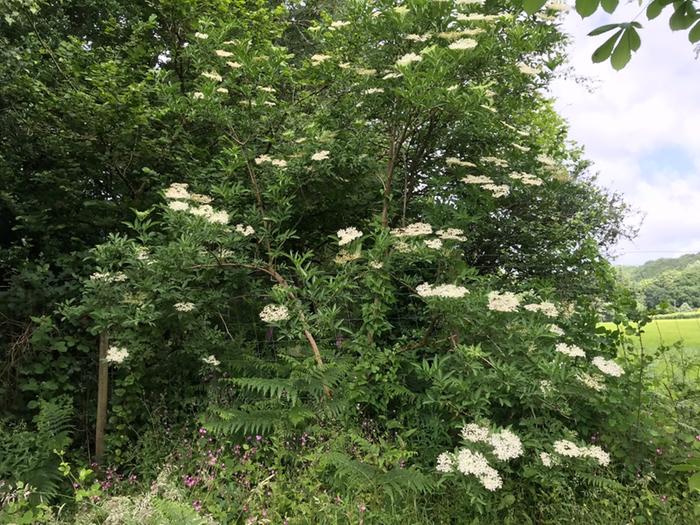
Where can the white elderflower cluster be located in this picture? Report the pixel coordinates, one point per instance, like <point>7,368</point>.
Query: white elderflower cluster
<point>526,178</point>
<point>184,307</point>
<point>107,277</point>
<point>345,256</point>
<point>546,459</point>
<point>244,230</point>
<point>372,91</point>
<point>222,53</point>
<point>570,350</point>
<point>475,433</point>
<point>463,44</point>
<point>408,59</point>
<point>274,313</point>
<point>503,301</point>
<point>555,329</point>
<point>501,163</point>
<point>520,147</point>
<point>445,291</point>
<point>433,244</point>
<point>267,159</point>
<point>477,179</point>
<point>528,70</point>
<point>570,449</point>
<point>210,214</point>
<point>590,381</point>
<point>116,354</point>
<point>337,24</point>
<point>445,463</point>
<point>454,234</point>
<point>608,366</point>
<point>213,75</point>
<point>476,464</point>
<point>476,17</point>
<point>497,190</point>
<point>413,230</point>
<point>546,387</point>
<point>201,199</point>
<point>321,155</point>
<point>198,95</point>
<point>318,59</point>
<point>233,65</point>
<point>177,190</point>
<point>376,265</point>
<point>545,307</point>
<point>454,161</point>
<point>417,38</point>
<point>389,76</point>
<point>348,235</point>
<point>506,445</point>
<point>201,36</point>
<point>211,360</point>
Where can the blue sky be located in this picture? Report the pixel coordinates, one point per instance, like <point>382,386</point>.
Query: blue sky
<point>641,128</point>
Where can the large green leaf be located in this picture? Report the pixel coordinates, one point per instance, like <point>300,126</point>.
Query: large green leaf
<point>586,7</point>
<point>694,34</point>
<point>683,17</point>
<point>603,29</point>
<point>532,6</point>
<point>694,481</point>
<point>622,53</point>
<point>654,8</point>
<point>609,5</point>
<point>603,52</point>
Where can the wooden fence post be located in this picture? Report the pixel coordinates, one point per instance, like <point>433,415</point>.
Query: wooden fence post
<point>102,390</point>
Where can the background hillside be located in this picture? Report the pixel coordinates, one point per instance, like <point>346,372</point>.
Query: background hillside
<point>673,281</point>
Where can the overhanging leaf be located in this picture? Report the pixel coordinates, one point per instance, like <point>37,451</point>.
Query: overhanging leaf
<point>609,5</point>
<point>694,35</point>
<point>654,8</point>
<point>603,29</point>
<point>603,52</point>
<point>532,6</point>
<point>586,7</point>
<point>622,53</point>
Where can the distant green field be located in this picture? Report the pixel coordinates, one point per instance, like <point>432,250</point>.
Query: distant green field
<point>668,331</point>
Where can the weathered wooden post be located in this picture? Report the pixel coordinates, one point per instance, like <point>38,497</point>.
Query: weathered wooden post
<point>102,390</point>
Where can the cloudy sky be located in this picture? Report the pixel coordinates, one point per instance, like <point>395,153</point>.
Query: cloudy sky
<point>641,128</point>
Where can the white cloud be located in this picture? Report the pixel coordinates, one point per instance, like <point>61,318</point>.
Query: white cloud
<point>650,106</point>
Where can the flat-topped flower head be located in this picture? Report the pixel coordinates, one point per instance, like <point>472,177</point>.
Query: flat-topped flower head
<point>211,360</point>
<point>177,190</point>
<point>445,291</point>
<point>454,234</point>
<point>184,307</point>
<point>244,230</point>
<point>445,463</point>
<point>506,445</point>
<point>477,179</point>
<point>463,44</point>
<point>116,354</point>
<point>274,313</point>
<point>475,433</point>
<point>212,75</point>
<point>348,235</point>
<point>223,53</point>
<point>408,59</point>
<point>503,301</point>
<point>321,155</point>
<point>608,366</point>
<point>416,229</point>
<point>569,350</point>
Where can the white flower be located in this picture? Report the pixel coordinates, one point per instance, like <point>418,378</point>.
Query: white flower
<point>210,214</point>
<point>267,89</point>
<point>372,91</point>
<point>279,163</point>
<point>597,453</point>
<point>408,59</point>
<point>546,387</point>
<point>463,44</point>
<point>470,2</point>
<point>222,53</point>
<point>233,65</point>
<point>211,360</point>
<point>555,329</point>
<point>376,265</point>
<point>444,291</point>
<point>213,75</point>
<point>475,463</point>
<point>506,445</point>
<point>202,199</point>
<point>365,72</point>
<point>348,235</point>
<point>184,307</point>
<point>476,17</point>
<point>445,463</point>
<point>545,307</point>
<point>434,244</point>
<point>475,433</point>
<point>201,36</point>
<point>391,75</point>
<point>454,161</point>
<point>503,302</point>
<point>417,38</point>
<point>570,350</point>
<point>116,354</point>
<point>261,159</point>
<point>495,161</point>
<point>567,448</point>
<point>274,313</point>
<point>344,257</point>
<point>591,381</point>
<point>317,59</point>
<point>401,10</point>
<point>454,234</point>
<point>546,459</point>
<point>497,190</point>
<point>413,230</point>
<point>246,231</point>
<point>608,366</point>
<point>320,155</point>
<point>477,179</point>
<point>177,190</point>
<point>222,90</point>
<point>527,70</point>
<point>197,95</point>
<point>339,23</point>
<point>178,206</point>
<point>524,149</point>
